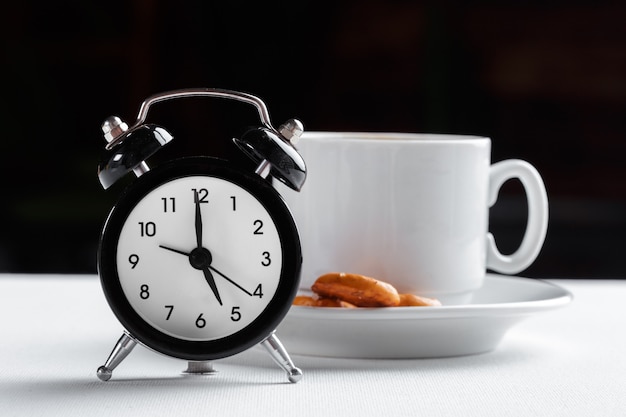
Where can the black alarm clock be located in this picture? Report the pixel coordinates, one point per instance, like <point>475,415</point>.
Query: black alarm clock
<point>200,259</point>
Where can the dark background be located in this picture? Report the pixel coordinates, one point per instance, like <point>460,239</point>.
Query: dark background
<point>545,80</point>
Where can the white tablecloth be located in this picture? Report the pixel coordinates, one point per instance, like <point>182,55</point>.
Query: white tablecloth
<point>56,330</point>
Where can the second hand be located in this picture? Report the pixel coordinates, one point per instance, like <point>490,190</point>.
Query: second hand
<point>175,250</point>
<point>211,268</point>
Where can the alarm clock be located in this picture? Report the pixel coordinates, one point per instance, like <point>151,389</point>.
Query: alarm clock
<point>200,259</point>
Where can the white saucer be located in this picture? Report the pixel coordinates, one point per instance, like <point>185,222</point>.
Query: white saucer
<point>420,332</point>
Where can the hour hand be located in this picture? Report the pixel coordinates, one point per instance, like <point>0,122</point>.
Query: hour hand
<point>200,259</point>
<point>209,278</point>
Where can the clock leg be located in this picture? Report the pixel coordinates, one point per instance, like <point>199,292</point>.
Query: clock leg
<point>122,348</point>
<point>199,368</point>
<point>281,357</point>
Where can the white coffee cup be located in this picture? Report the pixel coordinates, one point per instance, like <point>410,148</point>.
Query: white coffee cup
<point>409,209</point>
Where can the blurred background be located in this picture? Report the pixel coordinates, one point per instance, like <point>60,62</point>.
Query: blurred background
<point>545,80</point>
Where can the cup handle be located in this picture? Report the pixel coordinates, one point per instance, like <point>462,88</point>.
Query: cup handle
<point>537,224</point>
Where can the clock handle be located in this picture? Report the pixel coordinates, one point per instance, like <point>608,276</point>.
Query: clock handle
<point>195,92</point>
<point>271,149</point>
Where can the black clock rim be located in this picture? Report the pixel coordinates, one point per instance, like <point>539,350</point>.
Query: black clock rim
<point>250,335</point>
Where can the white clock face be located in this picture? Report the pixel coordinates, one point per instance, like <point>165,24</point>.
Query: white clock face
<point>199,258</point>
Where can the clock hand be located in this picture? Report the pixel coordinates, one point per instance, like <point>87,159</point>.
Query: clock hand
<point>175,250</point>
<point>200,258</point>
<point>198,221</point>
<point>205,262</point>
<point>231,281</point>
<point>209,278</point>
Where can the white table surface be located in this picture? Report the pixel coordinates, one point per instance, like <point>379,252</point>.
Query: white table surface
<point>56,330</point>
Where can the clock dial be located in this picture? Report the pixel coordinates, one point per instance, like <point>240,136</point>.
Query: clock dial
<point>227,280</point>
<point>198,260</point>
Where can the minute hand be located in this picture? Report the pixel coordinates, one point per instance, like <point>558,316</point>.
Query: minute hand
<point>198,221</point>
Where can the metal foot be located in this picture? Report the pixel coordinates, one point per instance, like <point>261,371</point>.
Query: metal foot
<point>199,368</point>
<point>122,348</point>
<point>281,357</point>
